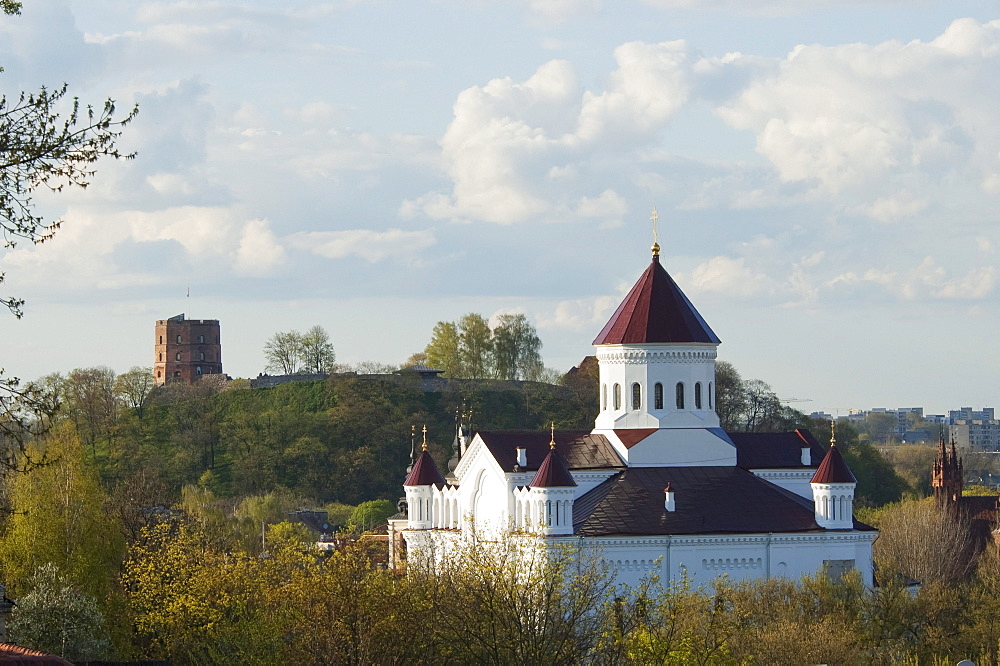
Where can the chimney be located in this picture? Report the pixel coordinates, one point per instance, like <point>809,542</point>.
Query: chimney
<point>806,455</point>
<point>668,499</point>
<point>522,457</point>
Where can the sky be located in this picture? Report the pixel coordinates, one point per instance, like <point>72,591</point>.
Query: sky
<point>826,174</point>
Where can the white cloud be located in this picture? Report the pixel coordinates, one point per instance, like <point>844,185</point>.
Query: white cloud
<point>511,144</point>
<point>372,246</point>
<point>731,277</point>
<point>580,314</point>
<point>856,116</point>
<point>259,252</point>
<point>927,280</point>
<point>894,208</point>
<point>608,206</point>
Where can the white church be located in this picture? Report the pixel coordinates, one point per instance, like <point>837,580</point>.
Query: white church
<point>657,486</point>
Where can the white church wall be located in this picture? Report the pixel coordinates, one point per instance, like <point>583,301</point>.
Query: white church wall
<point>794,480</point>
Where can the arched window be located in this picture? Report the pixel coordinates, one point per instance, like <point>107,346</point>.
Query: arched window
<point>680,395</point>
<point>201,338</point>
<point>157,374</point>
<point>658,395</point>
<point>161,339</point>
<point>201,356</point>
<point>159,357</point>
<point>604,397</point>
<point>618,396</point>
<point>178,339</point>
<point>636,396</point>
<point>198,370</point>
<point>178,356</point>
<point>697,395</point>
<point>710,395</point>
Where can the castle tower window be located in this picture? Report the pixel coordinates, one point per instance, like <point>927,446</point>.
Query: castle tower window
<point>636,396</point>
<point>201,338</point>
<point>658,395</point>
<point>618,396</point>
<point>159,357</point>
<point>178,356</point>
<point>697,395</point>
<point>680,395</point>
<point>161,339</point>
<point>178,339</point>
<point>198,369</point>
<point>201,356</point>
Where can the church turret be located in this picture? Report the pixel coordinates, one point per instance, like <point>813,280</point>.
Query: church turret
<point>657,359</point>
<point>419,487</point>
<point>947,477</point>
<point>551,494</point>
<point>833,487</point>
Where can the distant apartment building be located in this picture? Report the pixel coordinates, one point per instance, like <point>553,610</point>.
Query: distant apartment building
<point>970,414</point>
<point>978,434</point>
<point>186,349</point>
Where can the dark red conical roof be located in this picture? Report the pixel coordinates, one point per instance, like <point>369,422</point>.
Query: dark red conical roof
<point>424,472</point>
<point>552,473</point>
<point>833,469</point>
<point>656,310</point>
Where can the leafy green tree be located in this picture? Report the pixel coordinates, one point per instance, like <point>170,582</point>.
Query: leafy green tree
<point>58,517</point>
<point>58,617</point>
<point>134,387</point>
<point>475,346</point>
<point>442,351</point>
<point>283,352</point>
<point>317,351</point>
<point>92,402</point>
<point>372,513</point>
<point>516,348</point>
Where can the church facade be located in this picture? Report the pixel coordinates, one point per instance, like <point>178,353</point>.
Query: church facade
<point>656,487</point>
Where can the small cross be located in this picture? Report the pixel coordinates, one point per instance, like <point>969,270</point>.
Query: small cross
<point>655,218</point>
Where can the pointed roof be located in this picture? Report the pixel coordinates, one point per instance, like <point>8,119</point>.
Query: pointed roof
<point>552,473</point>
<point>833,469</point>
<point>424,472</point>
<point>656,310</point>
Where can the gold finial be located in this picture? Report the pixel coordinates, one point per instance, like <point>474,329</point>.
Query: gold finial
<point>655,217</point>
<point>552,429</point>
<point>424,445</point>
<point>833,435</point>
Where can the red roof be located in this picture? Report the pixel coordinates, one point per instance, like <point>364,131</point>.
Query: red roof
<point>424,472</point>
<point>15,654</point>
<point>656,310</point>
<point>833,469</point>
<point>552,473</point>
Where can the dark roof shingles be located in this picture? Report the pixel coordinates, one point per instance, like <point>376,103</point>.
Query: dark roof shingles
<point>709,500</point>
<point>580,450</point>
<point>769,450</point>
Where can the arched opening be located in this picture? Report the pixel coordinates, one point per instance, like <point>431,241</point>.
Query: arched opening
<point>658,395</point>
<point>636,396</point>
<point>697,395</point>
<point>710,395</point>
<point>604,397</point>
<point>201,356</point>
<point>680,395</point>
<point>178,357</point>
<point>178,339</point>
<point>198,370</point>
<point>201,338</point>
<point>618,396</point>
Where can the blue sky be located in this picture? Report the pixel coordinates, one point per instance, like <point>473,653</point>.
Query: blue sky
<point>827,180</point>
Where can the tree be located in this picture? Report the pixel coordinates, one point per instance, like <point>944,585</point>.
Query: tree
<point>516,348</point>
<point>919,540</point>
<point>475,346</point>
<point>442,351</point>
<point>283,352</point>
<point>730,401</point>
<point>371,514</point>
<point>133,388</point>
<point>92,402</point>
<point>58,617</point>
<point>39,147</point>
<point>317,351</point>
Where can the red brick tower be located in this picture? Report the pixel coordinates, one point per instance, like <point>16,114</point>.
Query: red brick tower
<point>947,476</point>
<point>186,349</point>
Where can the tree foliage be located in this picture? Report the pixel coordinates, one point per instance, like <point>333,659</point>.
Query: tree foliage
<point>470,348</point>
<point>293,352</point>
